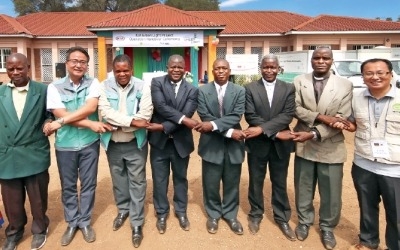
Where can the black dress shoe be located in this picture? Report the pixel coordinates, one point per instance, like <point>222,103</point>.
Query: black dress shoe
<point>184,222</point>
<point>88,234</point>
<point>119,220</point>
<point>212,225</point>
<point>328,239</point>
<point>161,224</point>
<point>68,236</point>
<point>254,225</point>
<point>137,236</point>
<point>12,241</point>
<point>235,226</point>
<point>302,231</point>
<point>287,231</point>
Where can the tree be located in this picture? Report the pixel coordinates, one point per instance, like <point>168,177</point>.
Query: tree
<point>23,7</point>
<point>389,19</point>
<point>193,4</point>
<point>113,5</point>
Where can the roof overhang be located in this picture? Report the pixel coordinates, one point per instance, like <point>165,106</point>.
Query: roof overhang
<point>249,35</point>
<point>66,37</point>
<point>154,28</point>
<point>341,32</point>
<point>16,35</point>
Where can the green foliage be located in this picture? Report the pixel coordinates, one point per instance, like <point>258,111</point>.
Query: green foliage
<point>193,4</point>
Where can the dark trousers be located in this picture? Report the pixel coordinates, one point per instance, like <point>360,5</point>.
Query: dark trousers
<point>212,175</point>
<point>82,164</point>
<point>278,170</point>
<point>370,188</point>
<point>162,161</point>
<point>128,173</point>
<point>13,192</point>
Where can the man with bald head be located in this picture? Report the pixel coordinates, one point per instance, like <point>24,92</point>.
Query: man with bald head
<point>24,153</point>
<point>171,140</point>
<point>269,111</point>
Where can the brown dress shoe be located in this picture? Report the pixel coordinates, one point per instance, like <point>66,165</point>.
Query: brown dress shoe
<point>235,226</point>
<point>88,234</point>
<point>287,231</point>
<point>119,220</point>
<point>212,225</point>
<point>137,236</point>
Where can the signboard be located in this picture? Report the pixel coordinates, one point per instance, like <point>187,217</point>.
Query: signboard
<point>243,64</point>
<point>158,38</point>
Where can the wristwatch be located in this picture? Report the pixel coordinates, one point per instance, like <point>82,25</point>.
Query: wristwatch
<point>315,136</point>
<point>60,121</point>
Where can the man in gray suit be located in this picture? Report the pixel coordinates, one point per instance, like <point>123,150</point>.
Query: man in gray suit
<point>320,151</point>
<point>171,140</point>
<point>221,146</point>
<point>270,109</point>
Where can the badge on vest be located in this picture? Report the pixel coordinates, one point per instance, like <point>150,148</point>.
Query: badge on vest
<point>380,148</point>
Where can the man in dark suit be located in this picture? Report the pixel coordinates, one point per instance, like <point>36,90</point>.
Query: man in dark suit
<point>171,140</point>
<point>24,153</point>
<point>221,146</point>
<point>270,108</point>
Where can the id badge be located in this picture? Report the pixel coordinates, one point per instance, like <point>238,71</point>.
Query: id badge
<point>380,149</point>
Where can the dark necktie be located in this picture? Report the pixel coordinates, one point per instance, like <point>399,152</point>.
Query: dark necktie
<point>318,87</point>
<point>220,101</point>
<point>174,88</point>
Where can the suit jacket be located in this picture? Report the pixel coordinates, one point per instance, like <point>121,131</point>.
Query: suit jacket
<point>271,119</point>
<point>168,110</point>
<point>213,145</point>
<point>335,99</point>
<point>24,149</point>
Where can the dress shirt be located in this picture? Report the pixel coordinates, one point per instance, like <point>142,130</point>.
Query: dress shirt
<point>269,87</point>
<point>223,90</point>
<point>19,97</point>
<point>178,84</point>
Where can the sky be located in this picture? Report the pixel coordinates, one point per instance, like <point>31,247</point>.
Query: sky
<point>354,8</point>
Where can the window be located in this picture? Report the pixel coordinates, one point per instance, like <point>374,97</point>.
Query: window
<point>363,46</point>
<point>4,53</point>
<point>314,47</point>
<point>273,50</point>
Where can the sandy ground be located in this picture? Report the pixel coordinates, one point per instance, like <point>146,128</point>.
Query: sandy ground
<point>269,236</point>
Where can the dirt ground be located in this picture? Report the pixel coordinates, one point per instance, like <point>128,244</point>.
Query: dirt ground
<point>269,236</point>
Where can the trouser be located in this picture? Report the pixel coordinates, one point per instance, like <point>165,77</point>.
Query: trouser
<point>329,178</point>
<point>278,170</point>
<point>128,172</point>
<point>13,192</point>
<point>370,188</point>
<point>162,160</point>
<point>82,164</point>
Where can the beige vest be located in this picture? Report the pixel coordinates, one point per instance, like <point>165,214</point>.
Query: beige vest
<point>387,128</point>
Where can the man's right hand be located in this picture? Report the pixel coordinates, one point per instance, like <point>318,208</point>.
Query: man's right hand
<point>100,127</point>
<point>139,123</point>
<point>190,123</point>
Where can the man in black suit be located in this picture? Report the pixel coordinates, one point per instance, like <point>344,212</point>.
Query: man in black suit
<point>221,146</point>
<point>270,107</point>
<point>171,140</point>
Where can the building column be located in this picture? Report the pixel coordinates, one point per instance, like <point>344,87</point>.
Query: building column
<point>194,66</point>
<point>211,56</point>
<point>102,54</point>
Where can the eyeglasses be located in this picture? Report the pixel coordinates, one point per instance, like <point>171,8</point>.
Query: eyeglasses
<point>370,74</point>
<point>76,62</point>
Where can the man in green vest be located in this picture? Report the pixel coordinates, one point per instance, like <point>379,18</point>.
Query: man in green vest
<point>73,100</point>
<point>24,153</point>
<point>125,102</point>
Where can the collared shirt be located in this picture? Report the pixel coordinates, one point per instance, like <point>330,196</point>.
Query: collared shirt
<point>269,87</point>
<point>377,106</point>
<point>120,117</point>
<point>19,95</point>
<point>221,88</point>
<point>54,98</point>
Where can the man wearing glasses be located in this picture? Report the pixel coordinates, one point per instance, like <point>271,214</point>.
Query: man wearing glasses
<point>73,101</point>
<point>376,164</point>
